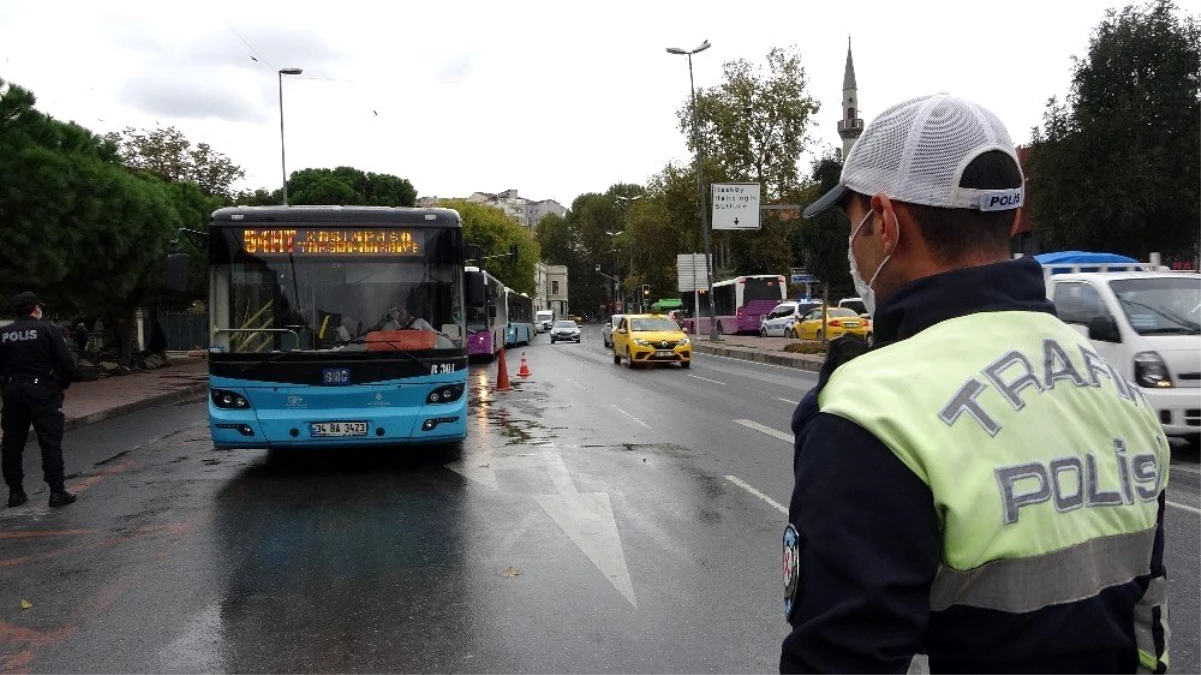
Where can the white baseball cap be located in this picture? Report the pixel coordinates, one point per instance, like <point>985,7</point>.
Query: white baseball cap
<point>915,152</point>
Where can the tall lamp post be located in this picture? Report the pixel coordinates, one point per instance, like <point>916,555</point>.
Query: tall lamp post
<point>627,201</point>
<point>283,157</point>
<point>700,185</point>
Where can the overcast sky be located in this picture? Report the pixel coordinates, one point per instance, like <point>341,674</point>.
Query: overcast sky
<point>551,98</point>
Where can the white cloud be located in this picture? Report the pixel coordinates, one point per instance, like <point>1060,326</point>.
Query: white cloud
<point>552,98</point>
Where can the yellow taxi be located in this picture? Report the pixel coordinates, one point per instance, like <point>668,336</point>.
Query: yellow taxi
<point>839,321</point>
<point>650,338</point>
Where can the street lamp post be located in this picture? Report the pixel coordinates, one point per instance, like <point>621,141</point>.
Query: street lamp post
<point>627,201</point>
<point>700,184</point>
<point>283,157</point>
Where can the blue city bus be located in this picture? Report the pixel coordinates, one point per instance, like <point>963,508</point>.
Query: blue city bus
<point>336,326</point>
<point>520,309</point>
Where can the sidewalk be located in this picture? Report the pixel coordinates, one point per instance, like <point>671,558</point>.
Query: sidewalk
<point>91,402</point>
<point>754,348</point>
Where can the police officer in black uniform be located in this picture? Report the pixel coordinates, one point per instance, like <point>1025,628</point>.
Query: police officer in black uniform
<point>35,368</point>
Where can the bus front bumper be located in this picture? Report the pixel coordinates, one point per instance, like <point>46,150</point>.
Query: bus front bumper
<point>390,426</point>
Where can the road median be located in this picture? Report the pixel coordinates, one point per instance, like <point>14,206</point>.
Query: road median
<point>760,350</point>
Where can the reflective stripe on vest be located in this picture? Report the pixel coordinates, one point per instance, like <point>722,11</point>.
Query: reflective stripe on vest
<point>1044,462</point>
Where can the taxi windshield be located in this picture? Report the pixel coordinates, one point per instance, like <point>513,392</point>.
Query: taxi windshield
<point>653,324</point>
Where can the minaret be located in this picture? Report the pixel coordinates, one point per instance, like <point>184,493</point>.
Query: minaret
<point>850,127</point>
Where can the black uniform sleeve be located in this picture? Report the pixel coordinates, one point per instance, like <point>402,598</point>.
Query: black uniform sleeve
<point>869,547</point>
<point>66,365</point>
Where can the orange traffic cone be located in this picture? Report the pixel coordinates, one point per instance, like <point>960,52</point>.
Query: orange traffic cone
<point>502,373</point>
<point>525,369</point>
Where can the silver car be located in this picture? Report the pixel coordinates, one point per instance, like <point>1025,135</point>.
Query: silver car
<point>565,331</point>
<point>608,328</point>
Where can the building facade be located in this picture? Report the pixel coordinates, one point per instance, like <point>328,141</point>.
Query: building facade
<point>550,289</point>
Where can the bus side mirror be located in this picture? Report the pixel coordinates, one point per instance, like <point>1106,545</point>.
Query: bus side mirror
<point>175,276</point>
<point>477,290</point>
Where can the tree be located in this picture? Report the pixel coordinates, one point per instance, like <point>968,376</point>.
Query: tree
<point>822,240</point>
<point>167,153</point>
<point>81,228</point>
<point>1117,165</point>
<point>494,232</point>
<point>754,127</point>
<point>755,123</point>
<point>347,185</point>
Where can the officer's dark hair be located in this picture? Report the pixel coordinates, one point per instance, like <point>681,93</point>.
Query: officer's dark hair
<point>955,233</point>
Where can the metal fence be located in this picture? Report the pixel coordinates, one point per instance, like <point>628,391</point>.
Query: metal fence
<point>186,330</point>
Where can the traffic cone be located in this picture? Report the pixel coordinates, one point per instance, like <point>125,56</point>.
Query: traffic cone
<point>502,373</point>
<point>525,369</point>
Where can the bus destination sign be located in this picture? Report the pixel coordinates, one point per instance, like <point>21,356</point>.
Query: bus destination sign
<point>305,242</point>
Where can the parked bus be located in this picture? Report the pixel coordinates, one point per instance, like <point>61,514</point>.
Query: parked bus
<point>336,325</point>
<point>520,318</point>
<point>740,304</point>
<point>487,320</point>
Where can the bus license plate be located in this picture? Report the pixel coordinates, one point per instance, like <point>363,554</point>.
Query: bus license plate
<point>335,376</point>
<point>338,429</point>
<point>664,352</point>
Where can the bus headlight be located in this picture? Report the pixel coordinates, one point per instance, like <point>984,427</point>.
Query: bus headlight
<point>445,393</point>
<point>1150,371</point>
<point>229,400</point>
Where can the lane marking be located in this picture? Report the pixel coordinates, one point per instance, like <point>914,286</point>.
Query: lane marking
<point>34,534</point>
<point>743,484</point>
<point>698,377</point>
<point>575,383</point>
<point>1186,507</point>
<point>1185,468</point>
<point>789,401</point>
<point>787,438</point>
<point>630,416</point>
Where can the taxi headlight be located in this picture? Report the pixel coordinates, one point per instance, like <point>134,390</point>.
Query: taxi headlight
<point>641,343</point>
<point>1150,371</point>
<point>685,341</point>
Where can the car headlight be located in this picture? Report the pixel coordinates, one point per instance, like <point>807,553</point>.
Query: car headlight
<point>641,343</point>
<point>685,341</point>
<point>445,393</point>
<point>228,399</point>
<point>1150,371</point>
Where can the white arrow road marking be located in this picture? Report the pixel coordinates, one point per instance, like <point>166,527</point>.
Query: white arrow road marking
<point>587,519</point>
<point>630,416</point>
<point>698,377</point>
<point>787,438</point>
<point>745,486</point>
<point>476,468</point>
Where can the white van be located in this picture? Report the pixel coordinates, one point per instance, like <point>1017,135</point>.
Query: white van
<point>1147,324</point>
<point>543,319</point>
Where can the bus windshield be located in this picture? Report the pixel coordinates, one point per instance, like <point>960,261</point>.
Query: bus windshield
<point>269,303</point>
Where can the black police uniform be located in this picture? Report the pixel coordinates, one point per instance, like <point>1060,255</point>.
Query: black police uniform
<point>35,368</point>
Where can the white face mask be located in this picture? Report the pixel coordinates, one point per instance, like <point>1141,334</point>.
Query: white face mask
<point>864,288</point>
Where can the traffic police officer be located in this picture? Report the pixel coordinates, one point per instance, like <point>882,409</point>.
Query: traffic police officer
<point>35,368</point>
<point>978,491</point>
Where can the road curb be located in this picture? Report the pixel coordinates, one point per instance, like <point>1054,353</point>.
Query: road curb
<point>126,408</point>
<point>770,358</point>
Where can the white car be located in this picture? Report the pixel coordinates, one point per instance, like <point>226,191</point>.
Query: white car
<point>1147,325</point>
<point>854,304</point>
<point>608,327</point>
<point>781,321</point>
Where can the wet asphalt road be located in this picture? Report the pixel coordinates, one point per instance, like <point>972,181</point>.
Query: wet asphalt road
<point>600,520</point>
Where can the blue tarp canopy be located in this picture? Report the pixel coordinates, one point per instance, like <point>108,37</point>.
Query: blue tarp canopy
<point>1083,258</point>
